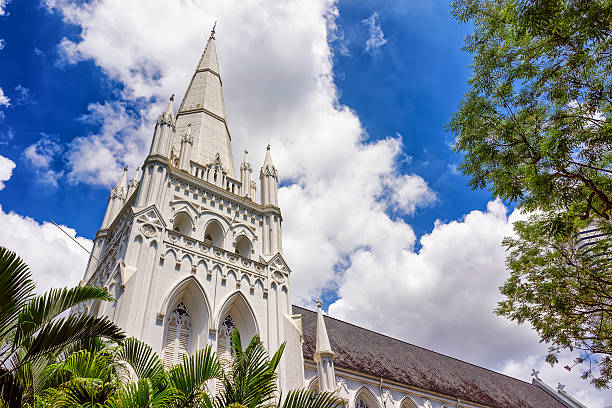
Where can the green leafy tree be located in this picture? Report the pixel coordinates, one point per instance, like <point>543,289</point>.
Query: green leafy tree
<point>32,331</point>
<point>535,128</point>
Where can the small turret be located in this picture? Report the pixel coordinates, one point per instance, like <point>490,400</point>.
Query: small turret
<point>133,184</point>
<point>246,174</point>
<point>324,356</point>
<point>164,128</point>
<point>116,200</point>
<point>268,176</point>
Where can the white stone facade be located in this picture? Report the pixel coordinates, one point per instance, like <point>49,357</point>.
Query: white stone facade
<point>189,255</point>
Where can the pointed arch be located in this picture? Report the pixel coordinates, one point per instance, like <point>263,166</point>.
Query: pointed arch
<point>185,284</point>
<point>214,233</point>
<point>407,402</point>
<point>182,336</point>
<point>243,316</point>
<point>183,223</point>
<point>365,398</point>
<point>243,246</point>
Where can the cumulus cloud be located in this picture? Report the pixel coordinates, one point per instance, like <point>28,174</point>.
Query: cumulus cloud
<point>6,170</point>
<point>41,156</point>
<point>377,37</point>
<point>3,4</point>
<point>4,100</point>
<point>23,95</point>
<point>54,259</point>
<point>122,139</point>
<point>442,297</point>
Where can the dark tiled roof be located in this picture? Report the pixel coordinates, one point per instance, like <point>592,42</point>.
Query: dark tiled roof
<point>375,354</point>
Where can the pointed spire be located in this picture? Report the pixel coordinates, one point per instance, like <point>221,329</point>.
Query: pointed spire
<point>209,57</point>
<point>203,106</point>
<point>322,344</point>
<point>268,159</point>
<point>170,108</point>
<point>133,182</point>
<point>123,180</point>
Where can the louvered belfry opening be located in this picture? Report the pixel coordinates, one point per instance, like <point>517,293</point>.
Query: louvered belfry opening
<point>178,335</point>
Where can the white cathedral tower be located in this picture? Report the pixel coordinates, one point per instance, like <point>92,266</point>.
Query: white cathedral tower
<point>190,256</point>
<point>186,251</point>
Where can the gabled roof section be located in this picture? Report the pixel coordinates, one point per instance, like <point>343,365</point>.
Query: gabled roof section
<point>278,262</point>
<point>381,356</point>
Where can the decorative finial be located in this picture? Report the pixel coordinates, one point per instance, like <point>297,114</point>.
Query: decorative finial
<point>212,33</point>
<point>535,373</point>
<point>125,168</point>
<point>560,387</point>
<point>319,303</point>
<point>246,152</point>
<point>268,148</point>
<point>172,98</point>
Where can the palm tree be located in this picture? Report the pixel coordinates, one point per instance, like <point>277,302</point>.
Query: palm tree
<point>32,332</point>
<point>250,381</point>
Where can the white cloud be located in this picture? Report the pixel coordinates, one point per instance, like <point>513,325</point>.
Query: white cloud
<point>442,297</point>
<point>23,95</point>
<point>54,259</point>
<point>41,156</point>
<point>3,4</point>
<point>2,43</point>
<point>6,170</point>
<point>340,186</point>
<point>4,100</point>
<point>377,37</point>
<point>123,139</point>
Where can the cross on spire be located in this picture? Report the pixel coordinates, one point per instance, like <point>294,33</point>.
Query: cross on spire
<point>319,303</point>
<point>535,373</point>
<point>212,32</point>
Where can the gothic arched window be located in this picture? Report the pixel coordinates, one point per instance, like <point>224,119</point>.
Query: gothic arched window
<point>178,335</point>
<point>361,403</point>
<point>214,234</point>
<point>183,224</point>
<point>243,246</point>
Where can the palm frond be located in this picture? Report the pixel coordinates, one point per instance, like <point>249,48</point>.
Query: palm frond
<point>62,331</point>
<point>311,399</point>
<point>251,380</point>
<point>141,357</point>
<point>191,376</point>
<point>11,392</point>
<point>17,287</point>
<point>142,394</point>
<point>45,308</point>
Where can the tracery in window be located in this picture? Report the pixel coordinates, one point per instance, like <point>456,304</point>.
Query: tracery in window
<point>178,335</point>
<point>361,403</point>
<point>224,350</point>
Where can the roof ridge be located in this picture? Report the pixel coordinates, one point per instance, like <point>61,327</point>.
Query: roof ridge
<point>423,348</point>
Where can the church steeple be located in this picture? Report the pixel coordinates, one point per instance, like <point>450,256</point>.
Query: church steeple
<point>203,107</point>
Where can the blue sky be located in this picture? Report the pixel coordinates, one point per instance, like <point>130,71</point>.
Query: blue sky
<point>353,98</point>
<point>409,86</point>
